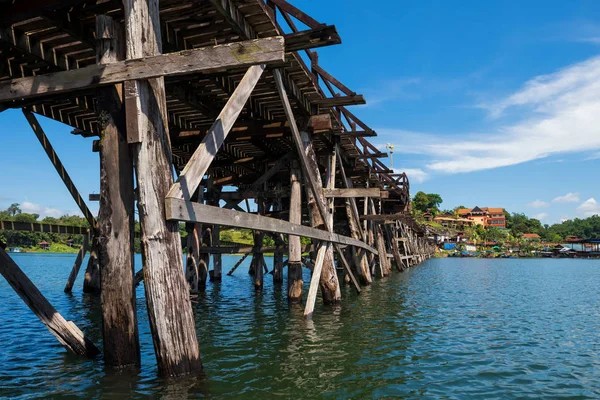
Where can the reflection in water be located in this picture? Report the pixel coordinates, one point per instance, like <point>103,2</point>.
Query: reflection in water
<point>450,328</point>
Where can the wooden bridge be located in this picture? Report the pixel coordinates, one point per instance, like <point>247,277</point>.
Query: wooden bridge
<point>231,95</point>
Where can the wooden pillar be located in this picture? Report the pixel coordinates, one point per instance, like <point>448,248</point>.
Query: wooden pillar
<point>329,284</point>
<point>258,259</point>
<point>91,279</point>
<point>359,257</point>
<point>195,264</point>
<point>77,265</point>
<point>279,243</point>
<point>65,331</point>
<point>381,248</point>
<point>169,307</point>
<point>294,283</point>
<point>216,274</point>
<point>115,217</point>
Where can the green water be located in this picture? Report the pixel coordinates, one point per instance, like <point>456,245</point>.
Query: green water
<point>451,328</point>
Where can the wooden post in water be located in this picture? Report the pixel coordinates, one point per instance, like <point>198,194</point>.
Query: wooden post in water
<point>115,217</point>
<point>216,274</point>
<point>65,331</point>
<point>295,282</point>
<point>77,265</point>
<point>257,257</point>
<point>169,307</point>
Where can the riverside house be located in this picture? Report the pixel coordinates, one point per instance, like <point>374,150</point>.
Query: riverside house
<point>485,216</point>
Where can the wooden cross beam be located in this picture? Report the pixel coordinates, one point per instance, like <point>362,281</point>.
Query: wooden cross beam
<point>355,192</point>
<point>194,171</point>
<point>187,211</point>
<point>201,60</point>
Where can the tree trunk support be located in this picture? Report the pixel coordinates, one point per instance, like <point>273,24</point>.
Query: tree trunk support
<point>115,218</point>
<point>167,295</point>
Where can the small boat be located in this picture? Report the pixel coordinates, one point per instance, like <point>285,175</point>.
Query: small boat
<point>15,250</point>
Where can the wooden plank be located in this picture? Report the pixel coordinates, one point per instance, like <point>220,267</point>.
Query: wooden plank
<point>355,192</point>
<point>201,60</point>
<point>116,212</point>
<point>339,101</point>
<point>169,308</point>
<point>77,265</point>
<point>314,280</point>
<point>58,165</point>
<point>297,13</point>
<point>65,331</point>
<point>282,162</point>
<point>180,210</point>
<point>311,39</point>
<point>356,133</point>
<point>194,171</point>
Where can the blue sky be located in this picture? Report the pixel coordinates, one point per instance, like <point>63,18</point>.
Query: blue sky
<point>489,103</point>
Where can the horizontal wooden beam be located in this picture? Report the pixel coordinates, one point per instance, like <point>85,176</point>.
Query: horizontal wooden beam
<point>340,101</point>
<point>201,60</point>
<point>355,192</point>
<point>356,133</point>
<point>312,38</point>
<point>373,155</point>
<point>187,211</point>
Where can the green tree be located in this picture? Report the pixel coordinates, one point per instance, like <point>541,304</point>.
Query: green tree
<point>421,202</point>
<point>13,209</point>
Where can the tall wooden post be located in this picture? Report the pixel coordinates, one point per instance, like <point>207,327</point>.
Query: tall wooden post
<point>294,283</point>
<point>216,274</point>
<point>169,307</point>
<point>115,217</point>
<point>279,243</point>
<point>258,259</point>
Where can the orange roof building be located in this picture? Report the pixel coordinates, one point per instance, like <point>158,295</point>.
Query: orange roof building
<point>485,216</point>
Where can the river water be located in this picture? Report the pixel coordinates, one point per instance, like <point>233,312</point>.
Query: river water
<point>450,328</point>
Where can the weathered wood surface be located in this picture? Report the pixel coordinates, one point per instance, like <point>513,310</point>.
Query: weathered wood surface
<point>315,279</point>
<point>167,295</point>
<point>194,171</point>
<point>355,192</point>
<point>237,264</point>
<point>295,282</point>
<point>116,212</point>
<point>65,331</point>
<point>180,210</point>
<point>77,265</point>
<point>58,165</point>
<point>92,282</point>
<point>201,60</point>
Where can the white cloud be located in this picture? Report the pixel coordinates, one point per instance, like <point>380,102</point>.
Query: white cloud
<point>538,204</point>
<point>28,207</point>
<point>414,174</point>
<point>589,207</point>
<point>562,116</point>
<point>567,198</point>
<point>33,208</point>
<point>540,216</point>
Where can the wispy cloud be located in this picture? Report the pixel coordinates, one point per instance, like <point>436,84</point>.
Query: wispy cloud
<point>562,116</point>
<point>589,207</point>
<point>538,204</point>
<point>540,216</point>
<point>414,174</point>
<point>567,198</point>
